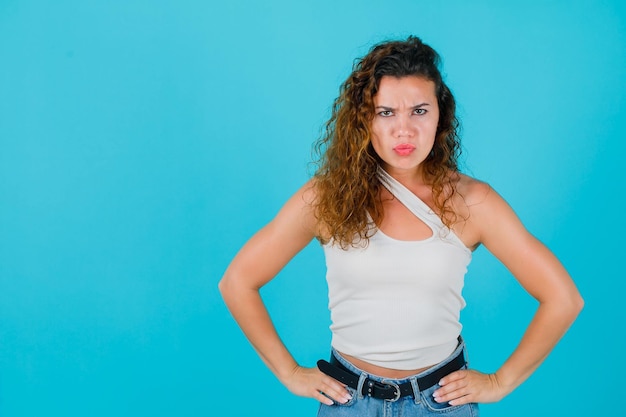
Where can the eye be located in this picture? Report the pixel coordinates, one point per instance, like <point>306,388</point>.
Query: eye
<point>420,111</point>
<point>385,113</point>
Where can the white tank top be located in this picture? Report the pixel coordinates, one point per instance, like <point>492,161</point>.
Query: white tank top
<point>394,303</point>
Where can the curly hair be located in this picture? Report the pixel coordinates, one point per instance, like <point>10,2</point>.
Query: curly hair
<point>348,203</point>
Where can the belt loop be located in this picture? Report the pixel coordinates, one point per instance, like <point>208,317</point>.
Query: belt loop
<point>416,390</point>
<point>464,350</point>
<point>359,386</point>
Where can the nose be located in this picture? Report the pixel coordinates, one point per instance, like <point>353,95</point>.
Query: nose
<point>403,126</point>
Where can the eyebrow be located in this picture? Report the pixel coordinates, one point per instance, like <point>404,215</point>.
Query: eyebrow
<point>386,108</point>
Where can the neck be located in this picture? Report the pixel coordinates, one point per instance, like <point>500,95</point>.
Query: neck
<point>406,177</point>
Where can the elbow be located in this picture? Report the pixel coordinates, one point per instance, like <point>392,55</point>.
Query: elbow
<point>579,303</point>
<point>227,291</point>
<point>231,288</point>
<point>573,305</point>
<point>237,285</point>
<point>576,301</point>
<point>566,305</point>
<point>221,286</point>
<point>225,288</point>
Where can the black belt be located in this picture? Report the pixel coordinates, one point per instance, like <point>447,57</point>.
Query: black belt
<point>388,390</point>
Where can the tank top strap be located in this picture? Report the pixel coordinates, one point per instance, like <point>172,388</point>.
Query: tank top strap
<point>410,200</point>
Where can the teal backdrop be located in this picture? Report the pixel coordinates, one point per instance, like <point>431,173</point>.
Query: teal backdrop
<point>142,142</point>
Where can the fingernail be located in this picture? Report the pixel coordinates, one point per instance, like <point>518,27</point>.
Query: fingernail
<point>441,383</point>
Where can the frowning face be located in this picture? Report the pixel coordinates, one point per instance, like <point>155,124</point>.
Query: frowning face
<point>405,122</point>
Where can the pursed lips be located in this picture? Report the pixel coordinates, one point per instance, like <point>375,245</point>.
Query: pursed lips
<point>404,149</point>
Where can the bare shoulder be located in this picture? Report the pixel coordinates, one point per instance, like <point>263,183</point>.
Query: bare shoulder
<point>479,208</point>
<point>471,190</point>
<point>308,197</point>
<point>308,193</point>
<point>299,209</point>
<point>481,201</point>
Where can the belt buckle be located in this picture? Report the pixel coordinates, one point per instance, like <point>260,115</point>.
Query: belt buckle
<point>397,392</point>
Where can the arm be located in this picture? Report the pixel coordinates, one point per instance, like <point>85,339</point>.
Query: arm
<point>259,261</point>
<point>543,277</point>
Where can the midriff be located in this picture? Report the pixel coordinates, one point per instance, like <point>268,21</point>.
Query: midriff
<point>380,371</point>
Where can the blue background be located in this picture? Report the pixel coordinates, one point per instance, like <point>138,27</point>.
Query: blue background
<point>142,142</point>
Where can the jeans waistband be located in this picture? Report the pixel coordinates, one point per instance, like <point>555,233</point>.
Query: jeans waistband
<point>434,368</point>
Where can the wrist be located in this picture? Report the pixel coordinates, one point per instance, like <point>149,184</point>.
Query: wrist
<point>503,386</point>
<point>287,374</point>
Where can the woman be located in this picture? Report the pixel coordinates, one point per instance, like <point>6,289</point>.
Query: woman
<point>398,223</point>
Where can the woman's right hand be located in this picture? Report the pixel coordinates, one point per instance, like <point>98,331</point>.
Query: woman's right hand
<point>311,382</point>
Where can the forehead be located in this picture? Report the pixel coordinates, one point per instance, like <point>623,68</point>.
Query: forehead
<point>405,88</point>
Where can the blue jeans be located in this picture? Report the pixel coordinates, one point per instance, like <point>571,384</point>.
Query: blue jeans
<point>421,406</point>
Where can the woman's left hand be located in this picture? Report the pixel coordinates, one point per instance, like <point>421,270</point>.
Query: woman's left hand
<point>469,386</point>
